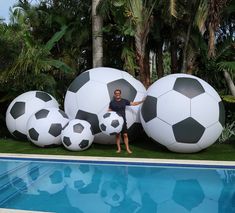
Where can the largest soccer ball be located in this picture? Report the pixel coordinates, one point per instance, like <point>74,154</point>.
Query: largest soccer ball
<point>183,113</point>
<point>89,95</point>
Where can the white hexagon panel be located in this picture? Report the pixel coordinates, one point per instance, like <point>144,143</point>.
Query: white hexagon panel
<point>183,113</point>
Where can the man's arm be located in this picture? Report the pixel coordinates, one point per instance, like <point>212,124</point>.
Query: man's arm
<point>136,102</point>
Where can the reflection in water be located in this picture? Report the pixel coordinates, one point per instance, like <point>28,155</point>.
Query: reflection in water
<point>88,188</point>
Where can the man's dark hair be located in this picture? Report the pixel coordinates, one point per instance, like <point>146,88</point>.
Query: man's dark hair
<point>117,90</point>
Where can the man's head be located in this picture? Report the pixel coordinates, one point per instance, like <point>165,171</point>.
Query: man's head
<point>117,93</point>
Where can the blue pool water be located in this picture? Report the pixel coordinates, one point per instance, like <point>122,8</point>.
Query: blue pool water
<point>108,187</point>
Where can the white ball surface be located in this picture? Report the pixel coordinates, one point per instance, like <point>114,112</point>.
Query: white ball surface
<point>45,126</point>
<point>77,135</point>
<point>22,107</point>
<point>111,123</point>
<point>183,113</point>
<point>89,95</point>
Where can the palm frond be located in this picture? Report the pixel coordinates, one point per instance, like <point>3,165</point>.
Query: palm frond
<point>55,38</point>
<point>201,16</point>
<point>172,8</point>
<point>224,49</point>
<point>59,65</point>
<point>227,65</point>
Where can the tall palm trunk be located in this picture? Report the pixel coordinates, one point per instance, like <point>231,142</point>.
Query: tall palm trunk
<point>140,44</point>
<point>97,36</point>
<point>159,59</point>
<point>211,42</point>
<point>229,82</point>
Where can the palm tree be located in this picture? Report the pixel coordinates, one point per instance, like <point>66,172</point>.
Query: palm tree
<point>97,39</point>
<point>140,13</point>
<point>209,18</point>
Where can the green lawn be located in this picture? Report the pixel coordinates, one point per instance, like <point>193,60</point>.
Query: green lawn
<point>141,149</point>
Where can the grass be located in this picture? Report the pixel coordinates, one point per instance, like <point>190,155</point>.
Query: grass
<point>141,149</point>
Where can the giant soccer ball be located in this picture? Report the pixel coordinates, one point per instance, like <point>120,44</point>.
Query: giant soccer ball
<point>89,95</point>
<point>111,123</point>
<point>22,107</point>
<point>45,126</point>
<point>77,135</point>
<point>183,113</point>
<point>182,189</point>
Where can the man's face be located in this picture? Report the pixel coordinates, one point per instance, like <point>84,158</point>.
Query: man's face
<point>117,94</point>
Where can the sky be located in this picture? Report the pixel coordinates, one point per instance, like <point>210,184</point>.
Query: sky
<point>4,8</point>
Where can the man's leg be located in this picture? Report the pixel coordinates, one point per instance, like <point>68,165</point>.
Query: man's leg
<point>126,141</point>
<point>118,138</point>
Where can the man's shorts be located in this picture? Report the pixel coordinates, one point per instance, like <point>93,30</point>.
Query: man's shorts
<point>124,127</point>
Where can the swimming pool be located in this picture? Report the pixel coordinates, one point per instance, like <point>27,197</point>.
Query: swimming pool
<point>118,187</point>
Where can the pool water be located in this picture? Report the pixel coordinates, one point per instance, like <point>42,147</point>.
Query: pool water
<point>90,187</point>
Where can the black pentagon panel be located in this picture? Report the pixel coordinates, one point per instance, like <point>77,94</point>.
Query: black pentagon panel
<point>102,127</point>
<point>56,177</point>
<point>34,172</point>
<point>188,131</point>
<point>19,184</point>
<point>91,118</point>
<point>78,128</point>
<point>43,96</point>
<point>79,184</point>
<point>84,144</point>
<point>149,108</point>
<point>188,87</point>
<point>42,113</point>
<point>188,193</point>
<point>115,123</point>
<point>221,113</point>
<point>136,132</point>
<point>17,109</point>
<point>116,197</point>
<point>84,168</point>
<point>106,115</point>
<point>128,91</point>
<point>78,82</point>
<point>19,135</point>
<point>63,113</point>
<point>33,134</point>
<point>67,141</point>
<point>55,129</point>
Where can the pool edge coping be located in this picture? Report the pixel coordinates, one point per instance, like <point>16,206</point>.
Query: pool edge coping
<point>120,159</point>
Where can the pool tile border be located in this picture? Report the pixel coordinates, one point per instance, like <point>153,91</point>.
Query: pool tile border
<point>124,161</point>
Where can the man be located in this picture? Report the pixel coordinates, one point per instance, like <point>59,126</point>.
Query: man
<point>118,104</point>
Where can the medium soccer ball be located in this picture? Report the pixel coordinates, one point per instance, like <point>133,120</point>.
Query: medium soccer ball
<point>183,113</point>
<point>89,95</point>
<point>77,135</point>
<point>45,126</point>
<point>111,123</point>
<point>78,176</point>
<point>22,107</point>
<point>33,178</point>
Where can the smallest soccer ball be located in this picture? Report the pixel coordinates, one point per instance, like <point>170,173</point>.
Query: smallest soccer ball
<point>111,123</point>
